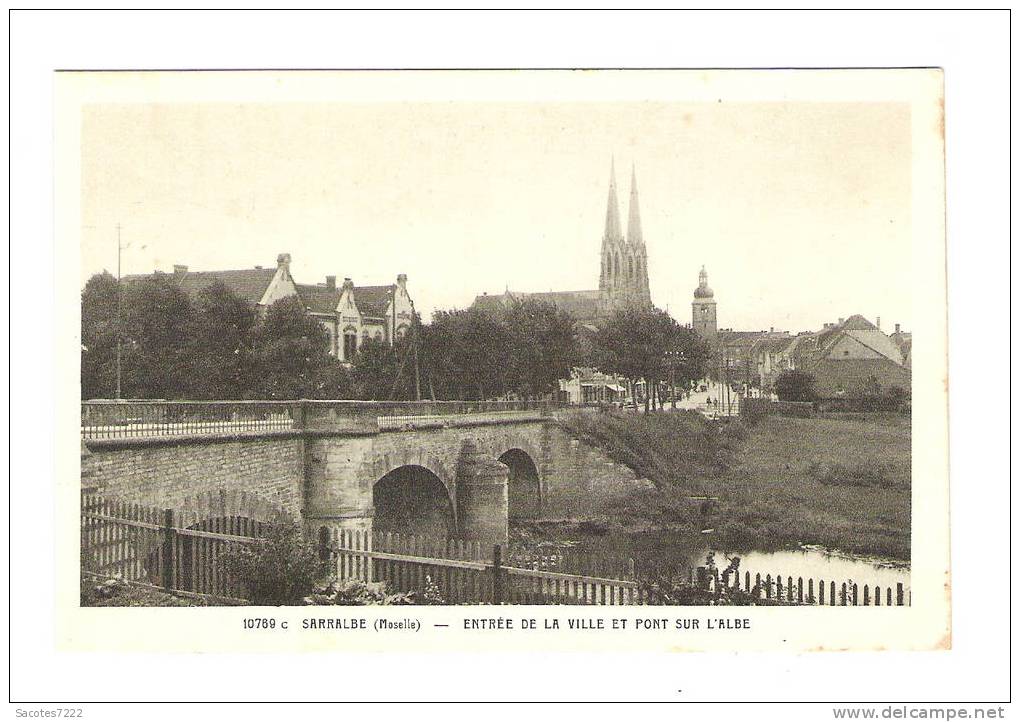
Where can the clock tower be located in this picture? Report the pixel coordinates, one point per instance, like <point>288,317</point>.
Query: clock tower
<point>703,318</point>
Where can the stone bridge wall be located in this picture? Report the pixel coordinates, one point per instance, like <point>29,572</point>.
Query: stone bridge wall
<point>180,475</point>
<point>327,479</point>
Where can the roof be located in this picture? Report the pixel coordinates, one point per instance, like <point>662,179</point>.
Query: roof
<point>249,284</point>
<point>852,377</point>
<point>373,300</point>
<point>857,322</point>
<point>730,335</point>
<point>319,298</point>
<point>879,343</point>
<point>582,305</point>
<point>774,344</point>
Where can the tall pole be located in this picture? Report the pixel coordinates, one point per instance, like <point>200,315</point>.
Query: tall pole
<point>118,312</point>
<point>417,368</point>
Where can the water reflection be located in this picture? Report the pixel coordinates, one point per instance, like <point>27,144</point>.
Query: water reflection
<point>819,564</point>
<point>668,552</point>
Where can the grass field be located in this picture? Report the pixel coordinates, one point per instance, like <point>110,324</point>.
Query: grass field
<point>840,483</point>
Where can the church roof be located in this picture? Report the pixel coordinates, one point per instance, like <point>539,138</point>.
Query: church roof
<point>613,232</point>
<point>582,305</point>
<point>248,284</point>
<point>634,236</point>
<point>703,290</point>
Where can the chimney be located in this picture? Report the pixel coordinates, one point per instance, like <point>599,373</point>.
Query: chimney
<point>878,322</point>
<point>331,283</point>
<point>180,270</point>
<point>897,328</point>
<point>283,261</point>
<point>402,281</point>
<point>841,320</point>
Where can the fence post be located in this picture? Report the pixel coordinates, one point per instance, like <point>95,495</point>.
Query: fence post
<point>168,549</point>
<point>497,574</point>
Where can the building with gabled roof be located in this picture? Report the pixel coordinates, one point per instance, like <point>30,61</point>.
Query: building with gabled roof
<point>259,286</point>
<point>350,314</point>
<point>848,359</point>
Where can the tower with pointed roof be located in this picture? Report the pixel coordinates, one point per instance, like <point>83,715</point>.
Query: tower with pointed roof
<point>624,276</point>
<point>703,313</point>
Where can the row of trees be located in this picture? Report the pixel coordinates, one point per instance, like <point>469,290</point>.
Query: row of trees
<point>217,346</point>
<point>212,347</point>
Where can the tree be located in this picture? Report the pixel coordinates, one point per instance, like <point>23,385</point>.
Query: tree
<point>383,372</point>
<point>290,354</point>
<point>99,337</point>
<point>795,386</point>
<point>465,353</point>
<point>643,343</point>
<point>542,347</point>
<point>221,345</point>
<point>157,322</point>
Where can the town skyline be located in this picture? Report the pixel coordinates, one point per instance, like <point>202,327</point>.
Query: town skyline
<point>212,199</point>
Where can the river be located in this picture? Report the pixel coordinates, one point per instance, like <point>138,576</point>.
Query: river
<point>678,551</point>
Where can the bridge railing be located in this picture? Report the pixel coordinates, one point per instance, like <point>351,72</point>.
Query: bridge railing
<point>132,419</point>
<point>141,419</point>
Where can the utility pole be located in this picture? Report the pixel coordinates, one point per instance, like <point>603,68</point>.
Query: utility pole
<point>417,368</point>
<point>118,311</point>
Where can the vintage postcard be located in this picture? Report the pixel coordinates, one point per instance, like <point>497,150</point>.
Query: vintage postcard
<point>567,360</point>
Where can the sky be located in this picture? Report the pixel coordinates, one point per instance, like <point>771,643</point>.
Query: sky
<point>799,211</point>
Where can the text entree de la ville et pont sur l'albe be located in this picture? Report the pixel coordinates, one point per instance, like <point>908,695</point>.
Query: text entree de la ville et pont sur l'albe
<point>553,623</point>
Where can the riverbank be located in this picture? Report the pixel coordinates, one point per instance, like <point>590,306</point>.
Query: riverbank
<point>779,484</point>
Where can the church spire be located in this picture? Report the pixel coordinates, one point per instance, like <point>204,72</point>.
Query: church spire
<point>634,217</point>
<point>613,233</point>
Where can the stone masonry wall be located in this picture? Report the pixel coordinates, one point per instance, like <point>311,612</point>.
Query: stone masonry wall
<point>329,479</point>
<point>176,475</point>
<point>578,479</point>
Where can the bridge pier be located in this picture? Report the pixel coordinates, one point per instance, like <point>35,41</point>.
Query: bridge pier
<point>482,498</point>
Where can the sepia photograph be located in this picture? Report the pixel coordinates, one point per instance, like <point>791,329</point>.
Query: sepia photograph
<point>645,352</point>
<point>509,357</point>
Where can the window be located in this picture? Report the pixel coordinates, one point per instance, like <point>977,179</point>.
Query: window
<point>401,332</point>
<point>350,343</point>
<point>378,335</point>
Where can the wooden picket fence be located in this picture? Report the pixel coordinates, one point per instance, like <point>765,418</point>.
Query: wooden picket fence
<point>161,547</point>
<point>182,554</point>
<point>468,572</point>
<point>464,572</point>
<point>780,589</point>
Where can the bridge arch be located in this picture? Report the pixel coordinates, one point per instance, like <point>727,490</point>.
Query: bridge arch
<point>412,499</point>
<point>523,486</point>
<point>225,503</point>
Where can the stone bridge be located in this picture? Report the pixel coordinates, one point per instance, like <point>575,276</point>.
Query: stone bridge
<point>465,475</point>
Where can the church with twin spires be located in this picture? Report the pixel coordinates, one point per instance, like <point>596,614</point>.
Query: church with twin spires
<point>623,278</point>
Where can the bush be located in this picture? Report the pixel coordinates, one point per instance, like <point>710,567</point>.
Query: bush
<point>795,386</point>
<point>356,593</point>
<point>276,570</point>
<point>681,592</point>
